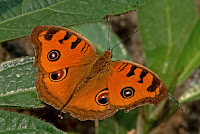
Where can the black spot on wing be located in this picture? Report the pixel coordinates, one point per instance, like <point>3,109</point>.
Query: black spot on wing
<point>53,55</point>
<point>131,72</point>
<point>142,75</point>
<point>58,75</point>
<point>74,44</point>
<point>50,33</point>
<point>85,47</point>
<point>61,41</point>
<point>127,92</point>
<point>102,97</point>
<point>154,85</point>
<point>122,67</point>
<point>67,36</point>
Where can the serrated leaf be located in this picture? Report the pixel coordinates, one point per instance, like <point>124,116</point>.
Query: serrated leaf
<point>17,18</point>
<point>17,86</point>
<point>191,94</point>
<point>13,123</point>
<point>165,31</point>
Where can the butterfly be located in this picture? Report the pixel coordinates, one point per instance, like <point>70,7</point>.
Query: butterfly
<point>72,77</point>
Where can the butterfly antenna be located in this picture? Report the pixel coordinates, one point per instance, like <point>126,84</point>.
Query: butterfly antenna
<point>126,38</point>
<point>109,32</point>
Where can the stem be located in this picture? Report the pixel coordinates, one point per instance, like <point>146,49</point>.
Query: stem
<point>146,112</point>
<point>158,111</point>
<point>139,123</point>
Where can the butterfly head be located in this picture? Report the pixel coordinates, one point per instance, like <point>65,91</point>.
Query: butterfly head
<point>107,54</point>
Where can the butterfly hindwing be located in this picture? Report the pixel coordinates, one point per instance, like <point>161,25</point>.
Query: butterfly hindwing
<point>91,99</point>
<point>56,88</point>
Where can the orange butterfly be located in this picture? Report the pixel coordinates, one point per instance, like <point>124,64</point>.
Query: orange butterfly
<point>73,78</point>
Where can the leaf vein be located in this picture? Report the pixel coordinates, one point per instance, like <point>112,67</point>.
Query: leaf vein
<point>193,61</point>
<point>28,13</point>
<point>169,34</point>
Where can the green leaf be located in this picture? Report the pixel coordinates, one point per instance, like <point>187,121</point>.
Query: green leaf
<point>110,126</point>
<point>189,59</point>
<point>13,123</point>
<point>121,122</point>
<point>166,26</point>
<point>165,32</point>
<point>127,120</point>
<point>192,94</point>
<point>17,18</point>
<point>17,87</point>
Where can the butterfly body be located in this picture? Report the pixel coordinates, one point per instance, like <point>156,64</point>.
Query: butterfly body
<point>100,64</point>
<point>73,78</point>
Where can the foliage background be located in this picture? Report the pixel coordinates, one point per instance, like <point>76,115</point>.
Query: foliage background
<point>169,37</point>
